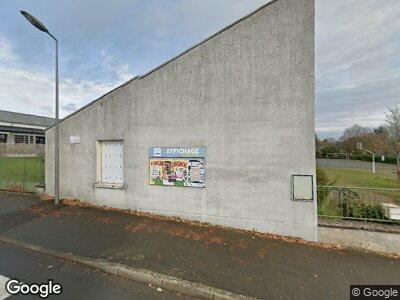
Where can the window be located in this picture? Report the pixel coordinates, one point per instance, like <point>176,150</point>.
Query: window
<point>112,158</point>
<point>40,139</point>
<point>24,138</point>
<point>21,138</point>
<point>302,187</point>
<point>3,137</point>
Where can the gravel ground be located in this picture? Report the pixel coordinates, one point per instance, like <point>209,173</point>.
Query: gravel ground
<point>349,224</point>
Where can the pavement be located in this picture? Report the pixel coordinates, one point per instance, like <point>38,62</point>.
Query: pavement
<point>78,282</point>
<point>248,263</point>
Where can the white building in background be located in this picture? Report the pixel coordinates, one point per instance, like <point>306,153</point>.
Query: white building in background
<point>22,133</point>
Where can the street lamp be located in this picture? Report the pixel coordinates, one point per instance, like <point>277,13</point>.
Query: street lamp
<point>39,25</point>
<point>360,147</point>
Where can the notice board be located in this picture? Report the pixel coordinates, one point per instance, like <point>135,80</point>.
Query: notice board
<point>177,166</point>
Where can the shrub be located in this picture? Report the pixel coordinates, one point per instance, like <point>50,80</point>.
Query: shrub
<point>322,178</point>
<point>362,210</point>
<point>353,207</point>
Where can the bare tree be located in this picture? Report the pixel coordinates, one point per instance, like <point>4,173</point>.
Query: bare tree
<point>392,125</point>
<point>355,131</point>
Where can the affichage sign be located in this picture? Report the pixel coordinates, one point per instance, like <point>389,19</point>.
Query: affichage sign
<point>177,166</point>
<point>177,152</point>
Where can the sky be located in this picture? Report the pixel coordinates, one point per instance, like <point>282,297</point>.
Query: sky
<point>105,43</point>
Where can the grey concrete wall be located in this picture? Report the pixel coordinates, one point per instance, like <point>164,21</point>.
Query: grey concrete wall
<point>11,148</point>
<point>247,94</point>
<point>369,240</point>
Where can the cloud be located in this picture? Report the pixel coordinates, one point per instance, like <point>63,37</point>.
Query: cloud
<point>25,89</point>
<point>69,107</point>
<point>357,51</point>
<point>6,54</point>
<point>100,45</point>
<point>114,68</point>
<point>357,64</point>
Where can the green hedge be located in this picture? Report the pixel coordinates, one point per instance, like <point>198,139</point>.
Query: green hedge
<point>363,157</point>
<point>364,210</point>
<point>345,202</point>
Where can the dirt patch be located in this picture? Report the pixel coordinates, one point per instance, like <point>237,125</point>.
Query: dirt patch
<point>15,187</point>
<point>75,203</point>
<point>141,226</point>
<point>149,226</point>
<point>62,212</point>
<point>37,210</point>
<point>211,234</point>
<point>262,252</point>
<point>96,216</point>
<point>242,244</point>
<point>105,220</point>
<point>46,198</point>
<point>238,261</point>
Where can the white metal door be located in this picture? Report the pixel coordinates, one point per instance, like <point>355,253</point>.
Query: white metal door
<point>112,158</point>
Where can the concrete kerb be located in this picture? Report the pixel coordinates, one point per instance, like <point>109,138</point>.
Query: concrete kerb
<point>166,282</point>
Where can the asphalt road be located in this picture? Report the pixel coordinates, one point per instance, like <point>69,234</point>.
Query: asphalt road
<point>78,282</point>
<point>243,262</point>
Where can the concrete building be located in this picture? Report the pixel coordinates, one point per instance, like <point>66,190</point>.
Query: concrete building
<point>222,133</point>
<point>22,133</point>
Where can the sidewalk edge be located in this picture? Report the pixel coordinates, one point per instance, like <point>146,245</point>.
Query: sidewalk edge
<point>166,282</point>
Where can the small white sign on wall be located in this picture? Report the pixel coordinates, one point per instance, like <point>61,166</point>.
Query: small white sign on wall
<point>74,139</point>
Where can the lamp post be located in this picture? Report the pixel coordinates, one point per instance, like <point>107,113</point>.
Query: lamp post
<point>373,160</point>
<point>360,147</point>
<point>35,22</point>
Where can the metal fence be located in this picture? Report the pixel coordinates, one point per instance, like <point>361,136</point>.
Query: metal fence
<point>359,203</point>
<point>21,174</point>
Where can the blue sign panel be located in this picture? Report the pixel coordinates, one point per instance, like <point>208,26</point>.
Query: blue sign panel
<point>177,152</point>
